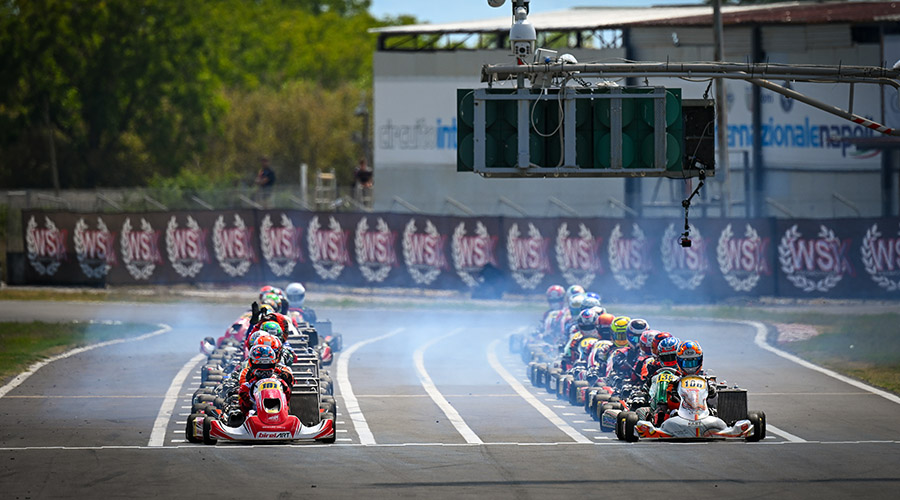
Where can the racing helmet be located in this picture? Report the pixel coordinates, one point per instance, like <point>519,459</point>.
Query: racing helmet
<point>668,350</point>
<point>587,321</point>
<point>654,348</point>
<point>296,293</point>
<point>269,340</point>
<point>555,296</point>
<point>619,327</point>
<point>272,328</point>
<point>590,300</point>
<point>272,302</point>
<point>689,357</point>
<point>635,328</point>
<point>573,290</point>
<point>575,304</point>
<point>647,341</point>
<point>265,291</point>
<point>263,357</point>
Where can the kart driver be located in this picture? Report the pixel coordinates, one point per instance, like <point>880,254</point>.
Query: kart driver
<point>263,363</point>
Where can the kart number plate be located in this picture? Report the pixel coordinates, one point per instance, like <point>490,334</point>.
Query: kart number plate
<point>269,385</point>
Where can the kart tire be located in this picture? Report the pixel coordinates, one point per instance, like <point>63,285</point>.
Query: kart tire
<point>530,371</point>
<point>620,426</point>
<point>189,428</point>
<point>758,420</point>
<point>575,390</point>
<point>207,424</point>
<point>333,438</point>
<point>630,420</point>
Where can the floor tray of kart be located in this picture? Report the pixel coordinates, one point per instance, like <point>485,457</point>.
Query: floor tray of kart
<point>693,420</point>
<point>269,421</point>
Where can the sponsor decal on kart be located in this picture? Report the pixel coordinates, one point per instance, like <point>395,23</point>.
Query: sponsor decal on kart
<point>629,257</point>
<point>742,260</point>
<point>140,249</point>
<point>423,253</point>
<point>686,267</point>
<point>472,253</point>
<point>814,264</point>
<point>281,247</point>
<point>95,248</point>
<point>186,247</point>
<point>273,435</point>
<point>578,258</point>
<point>328,248</point>
<point>375,250</point>
<point>881,258</point>
<point>529,259</point>
<point>45,246</point>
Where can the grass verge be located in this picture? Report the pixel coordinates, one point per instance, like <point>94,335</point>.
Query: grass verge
<point>22,344</point>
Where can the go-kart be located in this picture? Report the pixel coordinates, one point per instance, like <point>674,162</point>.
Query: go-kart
<point>693,420</point>
<point>269,420</point>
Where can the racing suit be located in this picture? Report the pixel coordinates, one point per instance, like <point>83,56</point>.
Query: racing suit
<point>250,375</point>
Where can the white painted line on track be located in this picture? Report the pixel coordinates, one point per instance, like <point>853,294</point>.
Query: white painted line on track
<point>419,359</point>
<point>760,340</point>
<point>157,435</point>
<point>533,401</point>
<point>351,404</point>
<point>18,379</point>
<point>786,435</point>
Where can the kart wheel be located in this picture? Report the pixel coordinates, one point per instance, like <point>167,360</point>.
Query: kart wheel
<point>575,391</point>
<point>758,420</point>
<point>333,438</point>
<point>189,428</point>
<point>600,410</point>
<point>630,420</point>
<point>207,425</point>
<point>620,426</point>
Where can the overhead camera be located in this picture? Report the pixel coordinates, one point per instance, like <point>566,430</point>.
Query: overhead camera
<point>685,242</point>
<point>522,35</point>
<point>496,3</point>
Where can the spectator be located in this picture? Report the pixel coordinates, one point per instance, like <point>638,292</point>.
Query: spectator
<point>265,180</point>
<point>362,183</point>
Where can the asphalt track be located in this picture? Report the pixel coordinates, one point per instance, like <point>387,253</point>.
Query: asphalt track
<point>437,408</point>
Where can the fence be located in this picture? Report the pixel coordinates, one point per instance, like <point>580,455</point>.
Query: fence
<point>628,259</point>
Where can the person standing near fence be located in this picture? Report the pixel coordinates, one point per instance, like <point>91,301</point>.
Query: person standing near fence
<point>265,181</point>
<point>362,182</point>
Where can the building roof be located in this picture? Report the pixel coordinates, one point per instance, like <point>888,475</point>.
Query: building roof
<point>592,18</point>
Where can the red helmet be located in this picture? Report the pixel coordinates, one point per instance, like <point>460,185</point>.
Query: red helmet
<point>269,340</point>
<point>263,356</point>
<point>668,349</point>
<point>555,295</point>
<point>647,341</point>
<point>605,320</point>
<point>654,348</point>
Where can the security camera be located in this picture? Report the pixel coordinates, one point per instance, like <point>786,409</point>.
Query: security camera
<point>522,35</point>
<point>496,3</point>
<point>522,49</point>
<point>685,242</point>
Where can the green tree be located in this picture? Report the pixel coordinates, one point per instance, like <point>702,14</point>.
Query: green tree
<point>122,87</point>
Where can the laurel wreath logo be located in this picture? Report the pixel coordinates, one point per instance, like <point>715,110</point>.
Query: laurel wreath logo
<point>331,270</point>
<point>232,267</point>
<point>585,277</point>
<point>737,284</point>
<point>33,257</point>
<point>195,265</point>
<point>268,246</point>
<point>456,250</point>
<point>431,273</point>
<point>371,271</point>
<point>91,272</point>
<point>137,271</point>
<point>671,235</point>
<point>868,258</point>
<point>526,279</point>
<point>786,259</point>
<point>633,280</point>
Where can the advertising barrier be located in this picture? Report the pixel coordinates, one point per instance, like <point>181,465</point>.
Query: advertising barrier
<point>619,258</point>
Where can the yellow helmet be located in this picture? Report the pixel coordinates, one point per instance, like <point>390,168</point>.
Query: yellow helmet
<point>620,331</point>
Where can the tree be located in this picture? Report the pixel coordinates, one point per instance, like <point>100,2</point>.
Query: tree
<point>123,87</point>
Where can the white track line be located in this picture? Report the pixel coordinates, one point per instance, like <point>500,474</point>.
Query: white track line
<point>158,434</point>
<point>533,401</point>
<point>18,379</point>
<point>760,340</point>
<point>786,435</point>
<point>419,358</point>
<point>350,402</point>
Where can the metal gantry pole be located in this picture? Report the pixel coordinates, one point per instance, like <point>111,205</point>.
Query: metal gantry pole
<point>721,112</point>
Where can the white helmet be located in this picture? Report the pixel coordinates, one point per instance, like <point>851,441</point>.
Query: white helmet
<point>295,294</point>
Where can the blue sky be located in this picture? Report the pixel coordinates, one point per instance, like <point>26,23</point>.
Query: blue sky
<point>447,11</point>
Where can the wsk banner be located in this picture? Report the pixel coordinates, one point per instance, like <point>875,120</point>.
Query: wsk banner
<point>619,258</point>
